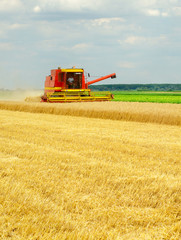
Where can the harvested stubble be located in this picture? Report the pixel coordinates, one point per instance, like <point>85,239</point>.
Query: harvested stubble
<point>140,112</point>
<point>65,177</point>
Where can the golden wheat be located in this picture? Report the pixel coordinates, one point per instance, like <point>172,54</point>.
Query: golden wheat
<point>66,177</point>
<point>140,112</point>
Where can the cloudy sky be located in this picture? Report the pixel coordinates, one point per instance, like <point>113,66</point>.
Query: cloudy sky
<point>139,40</point>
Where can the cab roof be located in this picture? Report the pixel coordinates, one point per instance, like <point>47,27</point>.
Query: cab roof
<point>72,70</point>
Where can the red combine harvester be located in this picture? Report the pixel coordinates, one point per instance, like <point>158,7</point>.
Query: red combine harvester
<point>70,85</point>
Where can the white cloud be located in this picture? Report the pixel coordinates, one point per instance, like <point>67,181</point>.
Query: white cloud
<point>153,12</point>
<point>134,40</point>
<point>156,13</point>
<point>6,46</point>
<point>15,26</point>
<point>164,14</point>
<point>155,4</point>
<point>107,26</point>
<point>52,45</point>
<point>128,65</point>
<point>69,5</point>
<point>37,9</point>
<point>140,40</point>
<point>10,5</point>
<point>177,11</point>
<point>156,8</point>
<point>1,34</point>
<point>174,1</point>
<point>119,7</point>
<point>81,47</point>
<point>6,28</point>
<point>102,21</point>
<point>145,3</point>
<point>148,7</point>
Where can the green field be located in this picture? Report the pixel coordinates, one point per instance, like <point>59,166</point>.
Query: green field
<point>122,96</point>
<point>158,97</point>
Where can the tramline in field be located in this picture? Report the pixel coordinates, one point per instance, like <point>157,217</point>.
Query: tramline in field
<point>71,85</point>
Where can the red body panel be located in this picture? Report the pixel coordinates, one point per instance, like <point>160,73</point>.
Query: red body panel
<point>54,80</point>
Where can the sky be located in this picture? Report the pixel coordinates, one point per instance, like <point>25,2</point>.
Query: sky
<point>139,40</point>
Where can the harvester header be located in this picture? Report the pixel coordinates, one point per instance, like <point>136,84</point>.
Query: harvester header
<point>71,85</point>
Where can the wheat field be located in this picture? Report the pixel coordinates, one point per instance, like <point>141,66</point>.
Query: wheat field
<point>79,177</point>
<point>130,111</point>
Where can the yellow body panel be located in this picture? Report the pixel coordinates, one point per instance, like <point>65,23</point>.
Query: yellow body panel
<point>72,70</point>
<point>53,88</point>
<point>75,90</point>
<point>75,95</point>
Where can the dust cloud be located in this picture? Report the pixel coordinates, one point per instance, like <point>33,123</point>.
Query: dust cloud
<point>21,95</point>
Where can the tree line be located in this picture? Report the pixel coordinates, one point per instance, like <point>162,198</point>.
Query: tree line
<point>137,87</point>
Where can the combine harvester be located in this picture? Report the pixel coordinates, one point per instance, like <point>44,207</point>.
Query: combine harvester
<point>71,85</point>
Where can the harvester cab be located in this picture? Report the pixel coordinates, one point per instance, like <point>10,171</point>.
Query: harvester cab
<point>71,85</point>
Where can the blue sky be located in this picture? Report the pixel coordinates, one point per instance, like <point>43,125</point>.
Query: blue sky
<point>139,40</point>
